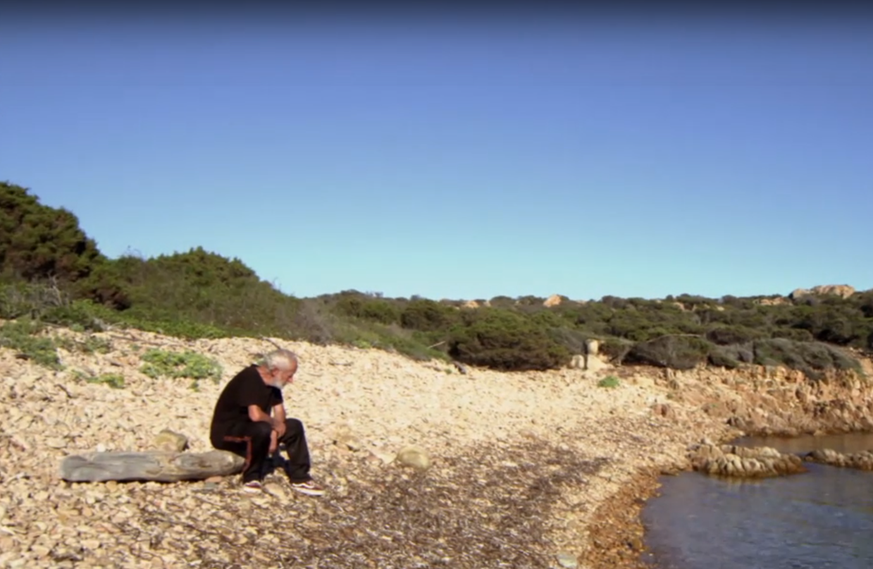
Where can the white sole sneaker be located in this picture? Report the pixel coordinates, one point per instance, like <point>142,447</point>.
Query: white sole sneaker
<point>308,488</point>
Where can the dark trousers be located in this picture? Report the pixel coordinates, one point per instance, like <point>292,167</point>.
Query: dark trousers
<point>251,440</point>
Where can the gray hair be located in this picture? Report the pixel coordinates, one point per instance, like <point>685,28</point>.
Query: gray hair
<point>280,359</point>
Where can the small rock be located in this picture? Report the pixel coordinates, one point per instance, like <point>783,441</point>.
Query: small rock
<point>567,560</point>
<point>385,457</point>
<point>349,441</point>
<point>92,544</point>
<point>171,441</point>
<point>40,550</point>
<point>414,456</point>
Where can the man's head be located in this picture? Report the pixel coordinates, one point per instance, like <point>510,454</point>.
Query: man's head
<point>279,368</point>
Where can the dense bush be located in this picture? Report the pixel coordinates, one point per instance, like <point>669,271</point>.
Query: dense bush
<point>505,340</point>
<point>727,335</point>
<point>810,357</point>
<point>428,315</point>
<point>357,305</point>
<point>676,352</point>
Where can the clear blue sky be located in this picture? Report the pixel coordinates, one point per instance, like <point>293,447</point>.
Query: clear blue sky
<point>518,157</point>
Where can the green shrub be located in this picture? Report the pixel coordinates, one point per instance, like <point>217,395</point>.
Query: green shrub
<point>22,336</point>
<point>113,380</point>
<point>89,345</point>
<point>677,352</point>
<point>502,302</point>
<point>428,316</point>
<point>505,340</point>
<point>609,381</point>
<point>83,314</point>
<point>724,356</point>
<point>357,305</point>
<point>573,340</point>
<point>809,357</point>
<point>795,334</point>
<point>187,364</point>
<point>30,300</point>
<point>616,349</point>
<point>312,323</point>
<point>778,351</point>
<point>727,335</point>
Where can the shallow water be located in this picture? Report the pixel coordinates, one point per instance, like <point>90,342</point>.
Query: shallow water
<point>821,519</point>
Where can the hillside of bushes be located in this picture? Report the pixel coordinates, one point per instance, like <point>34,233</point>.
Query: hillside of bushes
<point>52,272</point>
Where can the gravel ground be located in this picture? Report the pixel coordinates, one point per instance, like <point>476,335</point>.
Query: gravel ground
<point>527,469</point>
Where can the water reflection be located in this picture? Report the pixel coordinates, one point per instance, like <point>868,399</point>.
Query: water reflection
<point>820,519</point>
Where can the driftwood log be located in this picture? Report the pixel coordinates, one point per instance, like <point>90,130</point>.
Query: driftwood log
<point>158,466</point>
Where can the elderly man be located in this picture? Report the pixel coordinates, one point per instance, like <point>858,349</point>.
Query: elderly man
<point>249,420</point>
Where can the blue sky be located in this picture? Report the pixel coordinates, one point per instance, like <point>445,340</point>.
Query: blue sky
<point>517,157</point>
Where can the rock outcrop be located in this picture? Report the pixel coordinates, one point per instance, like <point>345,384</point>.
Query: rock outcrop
<point>553,300</point>
<point>843,291</point>
<point>760,400</point>
<point>744,462</point>
<point>859,460</point>
<point>775,301</point>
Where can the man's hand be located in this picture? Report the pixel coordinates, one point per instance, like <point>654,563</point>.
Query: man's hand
<point>278,426</point>
<point>274,442</point>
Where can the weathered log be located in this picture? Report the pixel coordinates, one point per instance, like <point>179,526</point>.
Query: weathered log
<point>158,466</point>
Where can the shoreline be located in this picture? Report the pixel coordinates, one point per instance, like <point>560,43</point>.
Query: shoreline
<point>617,534</point>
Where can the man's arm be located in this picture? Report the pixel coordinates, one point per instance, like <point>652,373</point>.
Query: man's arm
<point>279,418</point>
<point>256,415</point>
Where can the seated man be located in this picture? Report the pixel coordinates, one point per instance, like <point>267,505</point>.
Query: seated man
<point>242,423</point>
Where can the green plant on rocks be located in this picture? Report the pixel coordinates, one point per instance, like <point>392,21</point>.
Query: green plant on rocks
<point>610,381</point>
<point>113,380</point>
<point>187,364</point>
<point>90,345</point>
<point>23,337</point>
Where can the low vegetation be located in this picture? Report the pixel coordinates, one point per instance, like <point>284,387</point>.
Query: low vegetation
<point>187,364</point>
<point>52,273</point>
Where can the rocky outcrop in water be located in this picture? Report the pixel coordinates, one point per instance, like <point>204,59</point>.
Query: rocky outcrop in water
<point>861,460</point>
<point>744,462</point>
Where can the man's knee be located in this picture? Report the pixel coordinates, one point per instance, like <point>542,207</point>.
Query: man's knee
<point>261,431</point>
<point>293,426</point>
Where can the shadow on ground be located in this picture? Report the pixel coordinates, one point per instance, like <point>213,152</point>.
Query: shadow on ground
<point>490,507</point>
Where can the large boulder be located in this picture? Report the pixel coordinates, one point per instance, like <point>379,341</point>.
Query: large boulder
<point>158,466</point>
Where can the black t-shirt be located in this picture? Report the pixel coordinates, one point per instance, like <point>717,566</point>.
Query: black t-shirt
<point>246,388</point>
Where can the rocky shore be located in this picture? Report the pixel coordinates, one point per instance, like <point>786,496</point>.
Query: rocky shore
<point>541,469</point>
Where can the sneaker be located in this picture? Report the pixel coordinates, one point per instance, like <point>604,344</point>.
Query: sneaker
<point>310,488</point>
<point>253,486</point>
